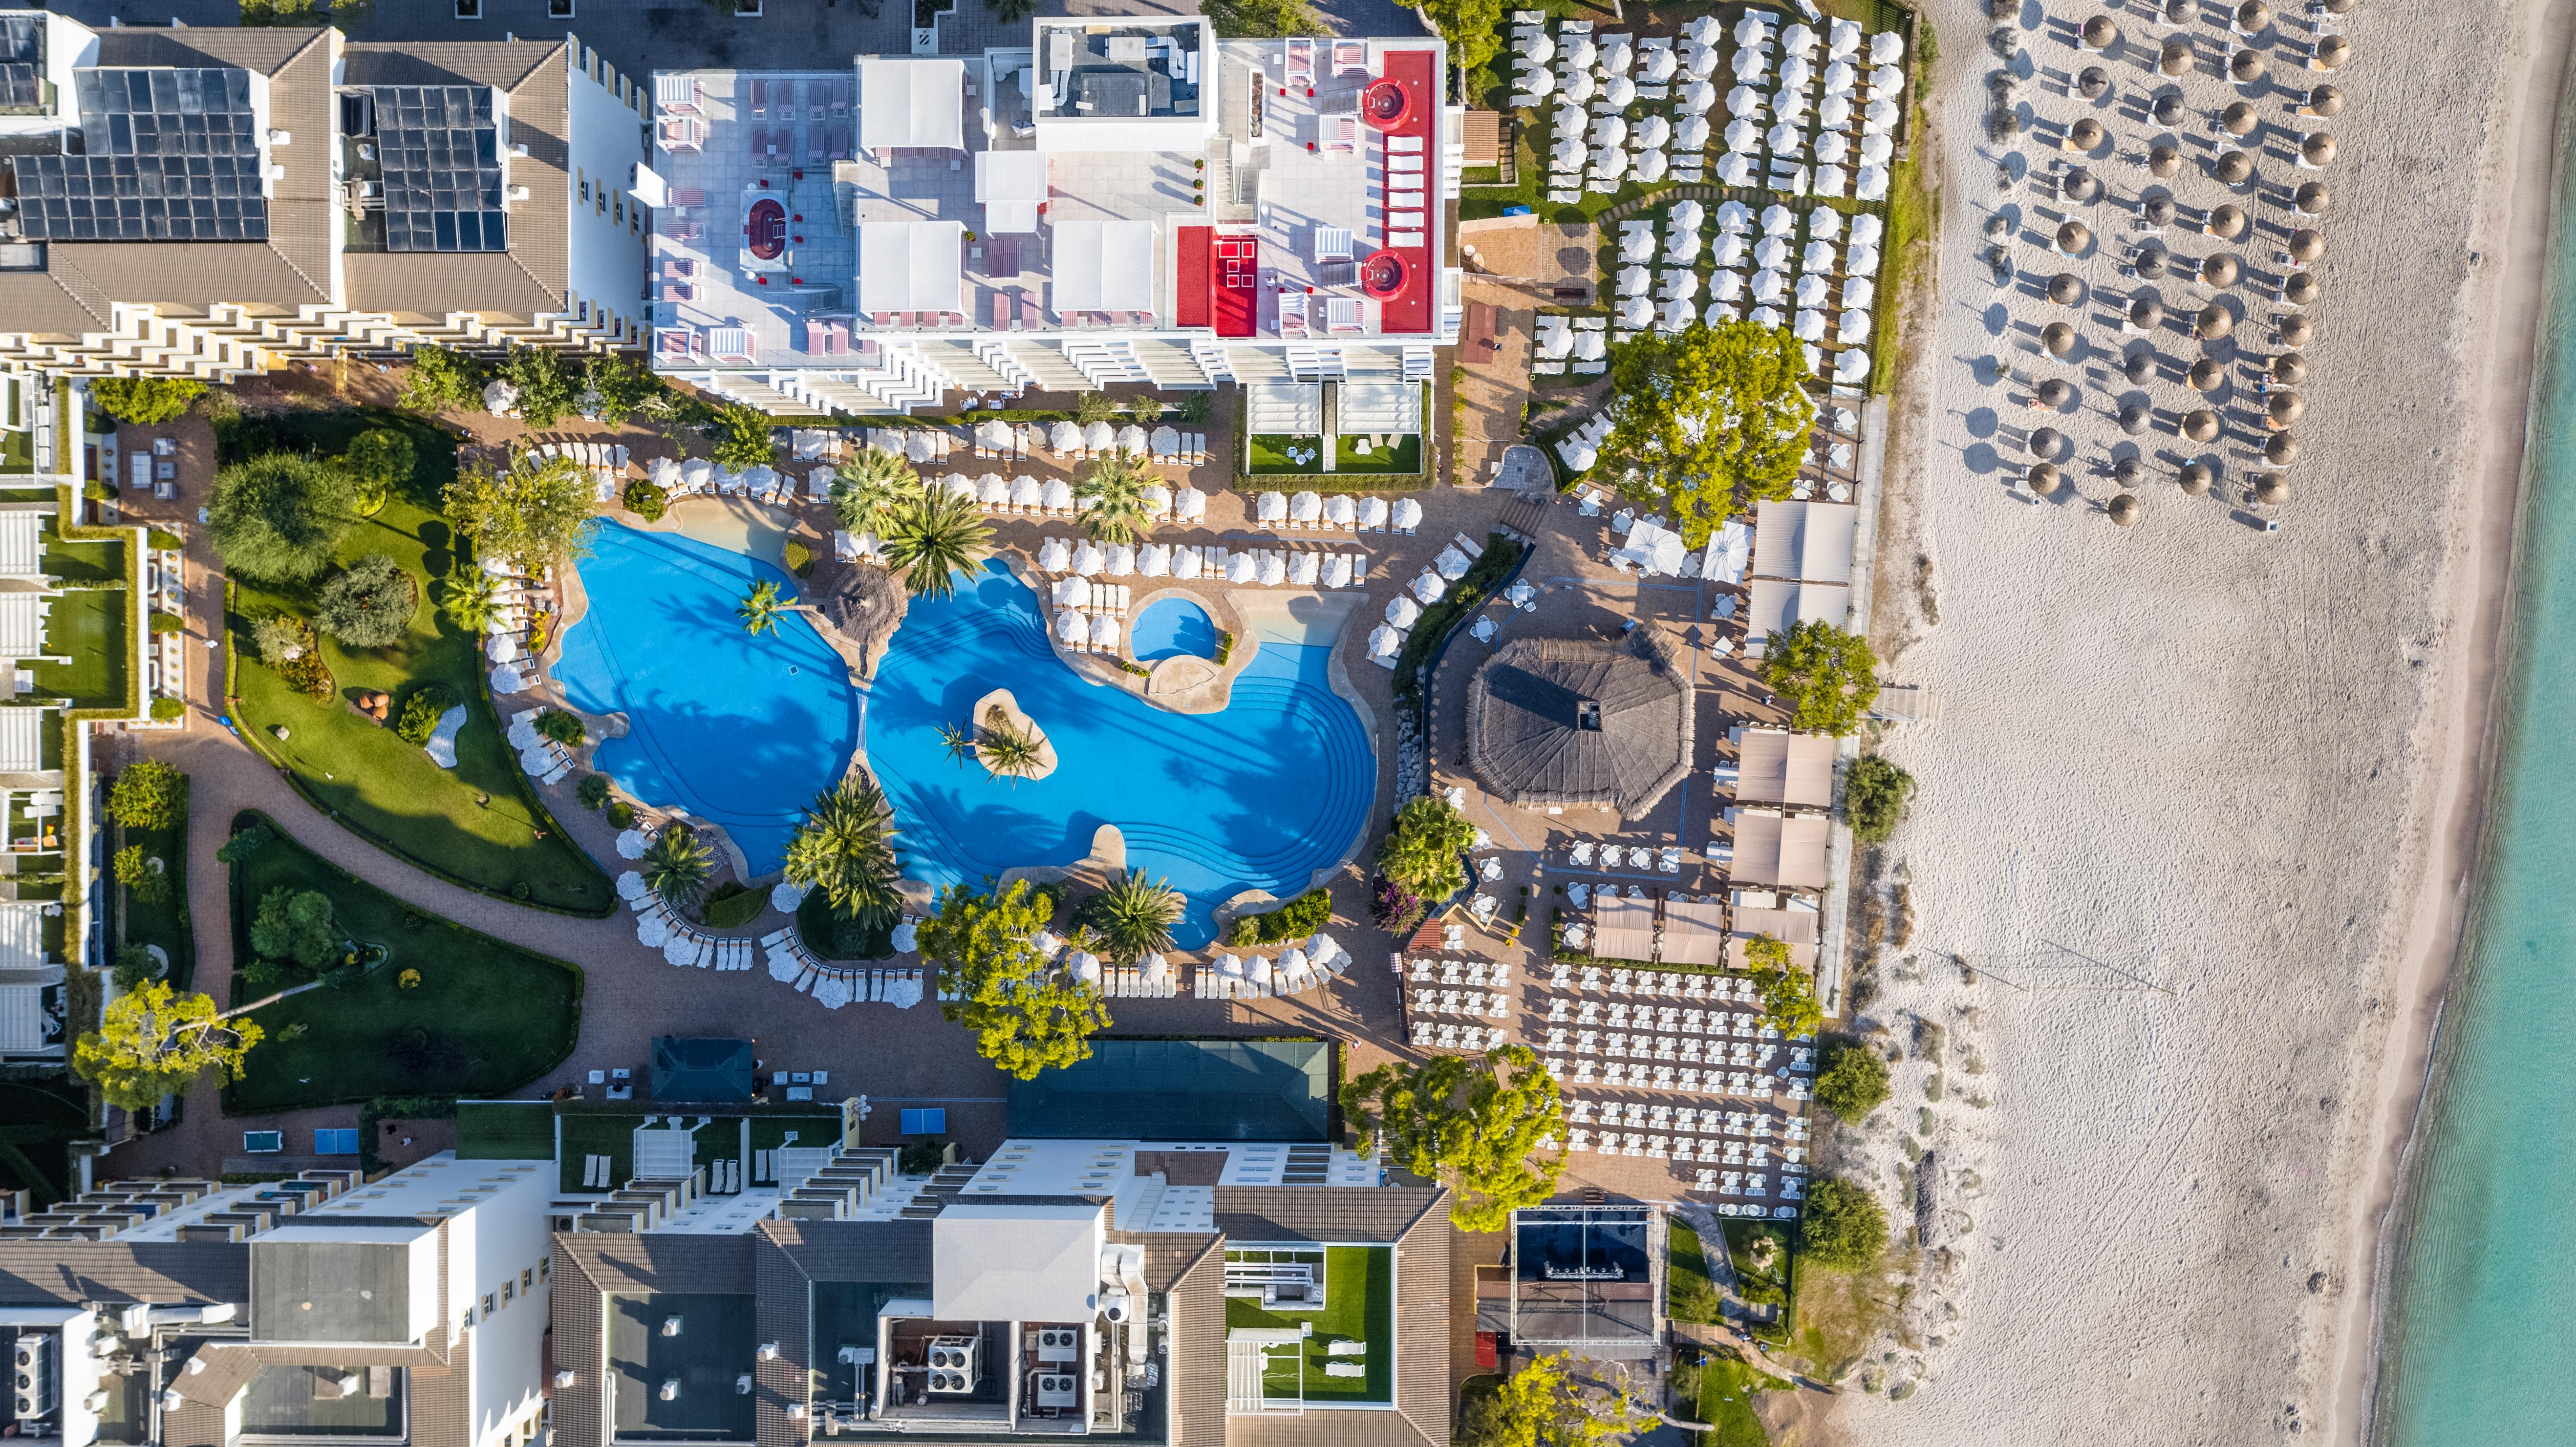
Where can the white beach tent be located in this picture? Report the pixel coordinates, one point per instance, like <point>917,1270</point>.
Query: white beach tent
<point>907,102</point>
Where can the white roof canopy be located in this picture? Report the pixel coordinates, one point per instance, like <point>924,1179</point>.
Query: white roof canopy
<point>1016,1263</point>
<point>22,544</point>
<point>22,625</point>
<point>1809,541</point>
<point>904,102</point>
<point>907,266</point>
<point>22,739</point>
<point>22,934</point>
<point>1010,184</point>
<point>1104,266</point>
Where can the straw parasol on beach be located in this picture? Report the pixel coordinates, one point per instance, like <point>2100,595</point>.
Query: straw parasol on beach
<point>2157,210</point>
<point>2289,369</point>
<point>2058,337</point>
<point>2281,449</point>
<point>2318,149</point>
<point>2045,442</point>
<point>2125,509</point>
<point>2146,313</point>
<point>1995,10</point>
<point>2128,470</point>
<point>2285,408</point>
<point>2065,288</point>
<point>2252,16</point>
<point>2042,478</point>
<point>2238,119</point>
<point>2138,364</point>
<point>2226,222</point>
<point>2081,186</point>
<point>2163,161</point>
<point>2100,33</point>
<point>2271,489</point>
<point>2084,135</point>
<point>2206,374</point>
<point>2150,264</point>
<point>2306,245</point>
<point>2134,419</point>
<point>2200,425</point>
<point>2246,67</point>
<point>2323,100</point>
<point>2220,270</point>
<point>2176,57</point>
<point>2167,109</point>
<point>2332,52</point>
<point>2312,198</point>
<point>2296,331</point>
<point>2300,289</point>
<point>2073,238</point>
<point>2054,393</point>
<point>2195,478</point>
<point>2092,82</point>
<point>2233,168</point>
<point>2214,321</point>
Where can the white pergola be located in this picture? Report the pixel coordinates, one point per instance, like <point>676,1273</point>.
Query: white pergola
<point>1104,266</point>
<point>910,266</point>
<point>1011,184</point>
<point>912,102</point>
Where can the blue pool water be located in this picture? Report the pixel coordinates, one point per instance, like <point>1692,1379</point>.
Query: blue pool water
<point>1170,627</point>
<point>1257,796</point>
<point>738,730</point>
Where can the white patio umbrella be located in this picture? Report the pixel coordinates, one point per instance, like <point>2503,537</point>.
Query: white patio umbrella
<point>1337,571</point>
<point>1157,499</point>
<point>1796,72</point>
<point>1783,139</point>
<point>1164,441</point>
<point>1819,256</point>
<point>904,938</point>
<point>1651,166</point>
<point>1274,570</point>
<point>1834,112</point>
<point>1131,438</point>
<point>1257,970</point>
<point>1056,495</point>
<point>1877,149</point>
<point>504,648</point>
<point>1372,512</point>
<point>1122,560</point>
<point>1726,285</point>
<point>1027,491</point>
<point>1099,437</point>
<point>1660,65</point>
<point>1681,285</point>
<point>630,886</point>
<point>958,485</point>
<point>1854,328</point>
<point>1241,568</point>
<point>1069,628</point>
<point>1608,164</point>
<point>1577,454</point>
<point>663,473</point>
<point>1407,514</point>
<point>995,433</point>
<point>1886,48</point>
<point>1682,250</point>
<point>1428,587</point>
<point>1636,241</point>
<point>1305,507</point>
<point>1071,592</point>
<point>1735,169</point>
<point>1402,611</point>
<point>1065,437</point>
<point>1186,562</point>
<point>1743,100</point>
<point>1538,49</point>
<point>506,679</point>
<point>1703,29</point>
<point>1577,88</point>
<point>1636,313</point>
<point>785,896</point>
<point>1859,291</point>
<point>1635,281</point>
<point>1880,116</point>
<point>1539,82</point>
<point>1851,366</point>
<point>1730,249</point>
<point>535,761</point>
<point>1809,326</point>
<point>697,474</point>
<point>1580,53</point>
<point>1699,96</point>
<point>630,844</point>
<point>1303,569</point>
<point>1104,631</point>
<point>1155,561</point>
<point>1385,641</point>
<point>1779,220</point>
<point>1734,217</point>
<point>992,491</point>
<point>1832,149</point>
<point>1765,316</point>
<point>1885,81</point>
<point>1340,511</point>
<point>1590,347</point>
<point>1866,229</point>
<point>1451,564</point>
<point>1751,65</point>
<point>1619,92</point>
<point>1702,61</point>
<point>1691,134</point>
<point>1870,185</point>
<point>1749,29</point>
<point>1189,504</point>
<point>1770,253</point>
<point>1270,507</point>
<point>1798,39</point>
<point>1810,290</point>
<point>921,446</point>
<point>1617,54</point>
<point>1568,155</point>
<point>1842,38</point>
<point>523,733</point>
<point>652,931</point>
<point>1676,316</point>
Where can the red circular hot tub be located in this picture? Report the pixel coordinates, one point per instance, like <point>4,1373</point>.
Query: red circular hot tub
<point>1384,104</point>
<point>766,231</point>
<point>1385,275</point>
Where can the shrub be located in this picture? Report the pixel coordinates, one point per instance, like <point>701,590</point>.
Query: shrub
<point>134,968</point>
<point>519,890</point>
<point>592,790</point>
<point>278,637</point>
<point>149,795</point>
<point>168,622</point>
<point>442,380</point>
<point>732,906</point>
<point>920,1158</point>
<point>422,711</point>
<point>143,401</point>
<point>1093,407</point>
<point>244,844</point>
<point>798,558</point>
<point>1694,1297</point>
<point>1197,408</point>
<point>546,389</point>
<point>407,980</point>
<point>279,518</point>
<point>308,675</point>
<point>561,726</point>
<point>742,438</point>
<point>1422,852</point>
<point>295,925</point>
<point>1874,798</point>
<point>1845,1228</point>
<point>1396,909</point>
<point>1295,920</point>
<point>1853,1080</point>
<point>381,459</point>
<point>647,500</point>
<point>621,813</point>
<point>369,604</point>
<point>168,710</point>
<point>135,872</point>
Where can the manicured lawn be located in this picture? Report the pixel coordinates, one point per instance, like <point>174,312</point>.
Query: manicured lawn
<point>1403,454</point>
<point>1270,453</point>
<point>1761,1284</point>
<point>1686,1263</point>
<point>485,1018</point>
<point>1727,1386</point>
<point>478,823</point>
<point>505,1130</point>
<point>1359,1305</point>
<point>88,626</point>
<point>165,924</point>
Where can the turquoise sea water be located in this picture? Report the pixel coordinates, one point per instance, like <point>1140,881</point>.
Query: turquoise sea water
<point>738,730</point>
<point>1256,796</point>
<point>2479,1343</point>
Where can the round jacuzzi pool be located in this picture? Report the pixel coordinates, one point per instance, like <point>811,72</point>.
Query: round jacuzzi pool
<point>1170,628</point>
<point>766,230</point>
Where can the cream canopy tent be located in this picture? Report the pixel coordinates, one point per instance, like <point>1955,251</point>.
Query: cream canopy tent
<point>1104,266</point>
<point>910,265</point>
<point>1010,184</point>
<point>908,102</point>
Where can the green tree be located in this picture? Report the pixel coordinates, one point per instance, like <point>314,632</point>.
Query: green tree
<point>742,438</point>
<point>368,604</point>
<point>278,518</point>
<point>616,387</point>
<point>546,388</point>
<point>1421,851</point>
<point>442,380</point>
<point>1134,917</point>
<point>149,794</point>
<point>1005,751</point>
<point>1111,491</point>
<point>134,870</point>
<point>295,925</point>
<point>1875,792</point>
<point>845,848</point>
<point>1465,1122</point>
<point>469,597</point>
<point>647,499</point>
<point>1544,1405</point>
<point>563,726</point>
<point>279,637</point>
<point>1788,992</point>
<point>1711,420</point>
<point>759,608</point>
<point>1852,1080</point>
<point>133,968</point>
<point>1828,677</point>
<point>1026,1014</point>
<point>1844,1228</point>
<point>154,1041</point>
<point>1090,407</point>
<point>532,514</point>
<point>144,401</point>
<point>1263,19</point>
<point>677,865</point>
<point>933,538</point>
<point>868,491</point>
<point>958,742</point>
<point>381,460</point>
<point>1473,28</point>
<point>422,711</point>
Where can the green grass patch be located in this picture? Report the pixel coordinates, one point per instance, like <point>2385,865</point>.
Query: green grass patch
<point>1690,1292</point>
<point>485,1017</point>
<point>1270,453</point>
<point>479,824</point>
<point>1359,1305</point>
<point>1727,1387</point>
<point>505,1130</point>
<point>88,626</point>
<point>165,922</point>
<point>1403,454</point>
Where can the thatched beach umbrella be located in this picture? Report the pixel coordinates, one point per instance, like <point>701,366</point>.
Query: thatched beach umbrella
<point>2206,374</point>
<point>2137,367</point>
<point>2058,337</point>
<point>2247,67</point>
<point>2081,186</point>
<point>2084,135</point>
<point>2234,168</point>
<point>2054,392</point>
<point>2156,210</point>
<point>2285,408</point>
<point>2214,321</point>
<point>2323,100</point>
<point>2295,331</point>
<point>2220,270</point>
<point>2338,7</point>
<point>2306,245</point>
<point>2043,479</point>
<point>2065,288</point>
<point>2168,108</point>
<point>2289,369</point>
<point>2150,264</point>
<point>2312,198</point>
<point>2238,119</point>
<point>2332,52</point>
<point>2227,222</point>
<point>2176,57</point>
<point>2045,442</point>
<point>2271,489</point>
<point>2200,425</point>
<point>2134,419</point>
<point>2003,9</point>
<point>2073,238</point>
<point>2164,161</point>
<point>2318,149</point>
<point>2281,450</point>
<point>2128,470</point>
<point>2195,478</point>
<point>2100,33</point>
<point>2252,16</point>
<point>2300,289</point>
<point>2125,509</point>
<point>2092,82</point>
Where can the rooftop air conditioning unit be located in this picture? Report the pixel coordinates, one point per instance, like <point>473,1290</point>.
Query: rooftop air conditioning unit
<point>1058,1389</point>
<point>1058,1343</point>
<point>952,1362</point>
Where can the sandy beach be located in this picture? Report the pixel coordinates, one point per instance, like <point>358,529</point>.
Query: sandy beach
<point>2200,801</point>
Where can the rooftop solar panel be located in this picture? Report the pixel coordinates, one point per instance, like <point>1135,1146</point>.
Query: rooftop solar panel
<point>440,154</point>
<point>170,154</point>
<point>18,86</point>
<point>22,38</point>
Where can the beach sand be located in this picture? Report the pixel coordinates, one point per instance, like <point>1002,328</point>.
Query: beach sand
<point>2200,801</point>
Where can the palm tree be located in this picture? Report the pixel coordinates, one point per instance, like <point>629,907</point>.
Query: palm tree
<point>759,608</point>
<point>471,595</point>
<point>677,865</point>
<point>1135,917</point>
<point>867,492</point>
<point>846,849</point>
<point>933,538</point>
<point>1112,489</point>
<point>1007,752</point>
<point>959,743</point>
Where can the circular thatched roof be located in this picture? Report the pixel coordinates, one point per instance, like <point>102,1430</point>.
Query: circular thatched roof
<point>2300,289</point>
<point>2281,450</point>
<point>2286,408</point>
<point>2227,221</point>
<point>2134,419</point>
<point>2271,489</point>
<point>2058,337</point>
<point>2252,16</point>
<point>2073,237</point>
<point>2332,52</point>
<point>2054,392</point>
<point>2195,478</point>
<point>2100,33</point>
<point>2085,134</point>
<point>1580,722</point>
<point>2220,270</point>
<point>2145,313</point>
<point>2167,109</point>
<point>2318,149</point>
<point>2043,478</point>
<point>2045,443</point>
<point>2065,289</point>
<point>2125,509</point>
<point>2247,67</point>
<point>2163,161</point>
<point>2306,245</point>
<point>2312,198</point>
<point>2175,58</point>
<point>2325,100</point>
<point>2206,374</point>
<point>2289,369</point>
<point>2296,331</point>
<point>2092,81</point>
<point>2239,119</point>
<point>2201,425</point>
<point>2214,321</point>
<point>2234,168</point>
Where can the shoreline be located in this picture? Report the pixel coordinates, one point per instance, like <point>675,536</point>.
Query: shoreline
<point>2451,827</point>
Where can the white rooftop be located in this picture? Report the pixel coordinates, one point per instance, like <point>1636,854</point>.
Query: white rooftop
<point>1015,1263</point>
<point>911,101</point>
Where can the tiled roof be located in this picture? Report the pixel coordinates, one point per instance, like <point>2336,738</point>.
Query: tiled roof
<point>619,1264</point>
<point>262,50</point>
<point>1197,1350</point>
<point>854,1250</point>
<point>1528,742</point>
<point>1169,1255</point>
<point>1308,1213</point>
<point>67,1273</point>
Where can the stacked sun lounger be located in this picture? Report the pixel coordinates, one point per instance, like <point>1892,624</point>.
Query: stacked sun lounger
<point>1153,981</point>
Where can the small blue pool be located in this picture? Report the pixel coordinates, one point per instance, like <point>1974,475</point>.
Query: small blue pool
<point>737,730</point>
<point>1172,627</point>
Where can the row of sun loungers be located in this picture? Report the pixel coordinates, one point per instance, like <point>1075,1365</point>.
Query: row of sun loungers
<point>1671,984</point>
<point>1429,971</point>
<point>833,984</point>
<point>1467,1039</point>
<point>1298,968</point>
<point>1687,1079</point>
<point>1491,1004</point>
<point>1027,495</point>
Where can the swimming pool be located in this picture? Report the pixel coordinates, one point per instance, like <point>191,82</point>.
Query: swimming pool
<point>738,730</point>
<point>1258,796</point>
<point>1170,627</point>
